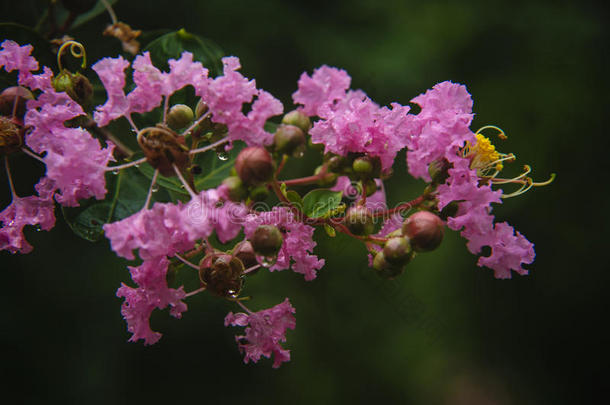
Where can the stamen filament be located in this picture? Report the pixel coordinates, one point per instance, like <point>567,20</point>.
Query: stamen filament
<point>184,183</point>
<point>10,178</point>
<point>206,148</point>
<point>545,183</point>
<point>501,134</point>
<point>523,189</point>
<point>188,263</point>
<point>527,169</point>
<point>126,165</point>
<point>32,154</point>
<point>197,291</point>
<point>150,189</point>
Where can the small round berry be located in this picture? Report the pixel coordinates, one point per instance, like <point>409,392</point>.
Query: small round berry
<point>397,250</point>
<point>359,221</point>
<point>424,230</point>
<point>289,140</point>
<point>298,119</point>
<point>180,116</point>
<point>385,269</point>
<point>267,240</point>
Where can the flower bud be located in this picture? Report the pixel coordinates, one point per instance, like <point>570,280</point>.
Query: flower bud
<point>245,253</point>
<point>180,116</point>
<point>289,140</point>
<point>267,240</point>
<point>201,108</point>
<point>254,165</point>
<point>336,163</point>
<point>298,119</point>
<point>366,167</point>
<point>77,86</point>
<point>424,230</point>
<point>12,95</point>
<point>385,269</point>
<point>329,179</point>
<point>235,188</point>
<point>359,221</point>
<point>397,250</point>
<point>10,136</point>
<point>259,193</point>
<point>371,187</point>
<point>163,150</point>
<point>223,276</point>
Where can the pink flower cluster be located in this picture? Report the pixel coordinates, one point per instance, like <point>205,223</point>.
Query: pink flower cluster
<point>350,121</point>
<point>224,95</point>
<point>264,332</point>
<point>75,162</point>
<point>298,241</point>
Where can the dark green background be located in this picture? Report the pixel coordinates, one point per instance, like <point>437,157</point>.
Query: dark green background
<point>446,332</point>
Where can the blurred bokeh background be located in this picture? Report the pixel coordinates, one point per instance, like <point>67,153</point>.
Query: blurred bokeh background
<point>446,332</point>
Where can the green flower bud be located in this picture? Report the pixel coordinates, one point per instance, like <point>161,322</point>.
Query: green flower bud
<point>359,221</point>
<point>12,95</point>
<point>385,269</point>
<point>180,116</point>
<point>289,140</point>
<point>336,163</point>
<point>77,86</point>
<point>254,165</point>
<point>236,189</point>
<point>424,230</point>
<point>328,180</point>
<point>201,108</point>
<point>298,119</point>
<point>371,187</point>
<point>267,240</point>
<point>397,250</point>
<point>367,167</point>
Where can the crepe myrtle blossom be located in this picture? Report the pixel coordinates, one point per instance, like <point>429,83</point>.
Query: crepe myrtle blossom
<point>214,228</point>
<point>75,162</point>
<point>264,333</point>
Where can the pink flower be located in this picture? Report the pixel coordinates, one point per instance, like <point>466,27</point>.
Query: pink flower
<point>327,85</point>
<point>112,74</point>
<point>351,122</point>
<point>15,57</point>
<point>33,210</point>
<point>264,332</point>
<point>75,161</point>
<point>152,292</point>
<point>509,250</point>
<point>298,241</point>
<point>225,97</point>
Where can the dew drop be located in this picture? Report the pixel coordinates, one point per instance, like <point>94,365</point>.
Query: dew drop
<point>266,261</point>
<point>155,189</point>
<point>115,172</point>
<point>222,155</point>
<point>136,165</point>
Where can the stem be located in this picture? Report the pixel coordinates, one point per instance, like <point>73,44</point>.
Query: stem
<point>10,178</point>
<point>245,308</point>
<point>126,165</point>
<point>409,205</point>
<point>184,183</point>
<point>183,260</point>
<point>206,148</point>
<point>251,269</point>
<point>110,11</point>
<point>32,154</point>
<point>306,180</point>
<point>197,291</point>
<point>133,124</point>
<point>150,189</point>
<point>281,165</point>
<point>196,123</point>
<point>165,107</point>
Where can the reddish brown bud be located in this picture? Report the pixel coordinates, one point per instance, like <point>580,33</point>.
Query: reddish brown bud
<point>221,274</point>
<point>424,230</point>
<point>359,221</point>
<point>163,149</point>
<point>254,165</point>
<point>10,136</point>
<point>267,240</point>
<point>12,95</point>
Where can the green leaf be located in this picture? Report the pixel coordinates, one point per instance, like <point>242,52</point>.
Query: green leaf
<point>321,202</point>
<point>126,195</point>
<point>213,169</point>
<point>294,198</point>
<point>171,46</point>
<point>98,9</point>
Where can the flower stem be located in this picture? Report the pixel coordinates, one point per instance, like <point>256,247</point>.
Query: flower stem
<point>206,148</point>
<point>188,263</point>
<point>184,183</point>
<point>10,178</point>
<point>126,165</point>
<point>150,189</point>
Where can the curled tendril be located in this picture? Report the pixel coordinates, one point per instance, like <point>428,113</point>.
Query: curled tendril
<point>76,49</point>
<point>500,132</point>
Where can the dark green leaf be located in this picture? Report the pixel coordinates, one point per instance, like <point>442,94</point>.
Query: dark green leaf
<point>321,202</point>
<point>213,169</point>
<point>171,46</point>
